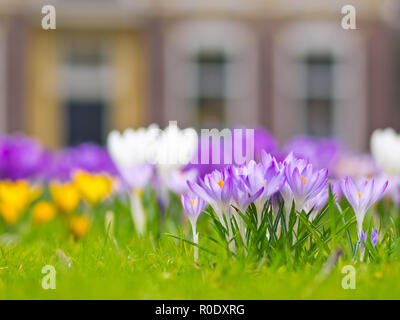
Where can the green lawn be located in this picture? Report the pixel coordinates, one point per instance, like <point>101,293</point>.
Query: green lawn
<point>121,265</point>
<point>108,268</point>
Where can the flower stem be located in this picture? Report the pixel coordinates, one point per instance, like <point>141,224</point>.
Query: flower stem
<point>196,241</point>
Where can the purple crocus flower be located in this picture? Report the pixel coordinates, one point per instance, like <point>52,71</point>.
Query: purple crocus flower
<point>393,190</point>
<point>363,239</point>
<point>336,189</point>
<point>176,180</point>
<point>303,181</point>
<point>364,236</point>
<point>267,176</point>
<point>137,176</point>
<point>242,195</point>
<point>374,237</point>
<point>21,158</point>
<point>193,206</point>
<point>361,195</point>
<point>321,152</point>
<point>216,189</point>
<point>88,157</point>
<point>242,198</point>
<point>285,192</point>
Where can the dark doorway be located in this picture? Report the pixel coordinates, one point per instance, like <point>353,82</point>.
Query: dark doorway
<point>85,122</point>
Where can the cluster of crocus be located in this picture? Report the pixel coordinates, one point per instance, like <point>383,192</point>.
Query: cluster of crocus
<point>85,157</point>
<point>64,199</point>
<point>147,153</point>
<point>24,158</point>
<point>81,177</point>
<point>91,189</point>
<point>235,188</point>
<point>293,180</point>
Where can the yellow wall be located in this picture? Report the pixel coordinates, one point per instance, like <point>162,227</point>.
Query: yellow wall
<point>44,118</point>
<point>41,104</point>
<point>130,82</point>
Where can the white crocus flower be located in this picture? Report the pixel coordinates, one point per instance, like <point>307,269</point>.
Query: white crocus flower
<point>135,151</point>
<point>175,148</point>
<point>385,148</point>
<point>130,152</point>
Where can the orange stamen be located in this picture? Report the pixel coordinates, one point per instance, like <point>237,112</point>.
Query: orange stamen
<point>304,180</point>
<point>220,183</point>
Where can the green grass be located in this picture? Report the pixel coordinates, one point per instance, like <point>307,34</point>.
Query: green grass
<point>137,271</point>
<point>157,266</point>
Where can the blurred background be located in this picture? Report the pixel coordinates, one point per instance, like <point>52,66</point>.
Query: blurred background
<point>285,65</point>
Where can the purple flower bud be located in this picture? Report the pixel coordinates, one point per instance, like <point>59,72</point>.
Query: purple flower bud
<point>242,196</point>
<point>374,237</point>
<point>193,206</point>
<point>362,194</point>
<point>364,236</point>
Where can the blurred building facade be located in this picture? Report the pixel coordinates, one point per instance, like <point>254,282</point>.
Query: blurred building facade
<point>112,64</point>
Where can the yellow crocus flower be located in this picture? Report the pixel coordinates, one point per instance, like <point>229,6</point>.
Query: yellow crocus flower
<point>93,187</point>
<point>43,212</point>
<point>66,197</point>
<point>15,197</point>
<point>79,226</point>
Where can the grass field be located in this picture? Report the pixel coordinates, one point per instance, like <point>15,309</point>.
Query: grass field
<point>117,264</point>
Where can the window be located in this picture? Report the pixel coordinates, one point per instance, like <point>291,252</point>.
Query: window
<point>319,95</point>
<point>85,85</point>
<point>211,89</point>
<point>85,121</point>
